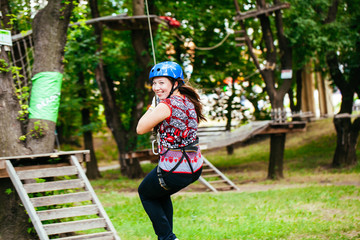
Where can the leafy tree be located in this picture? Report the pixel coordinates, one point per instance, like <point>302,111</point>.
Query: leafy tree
<point>48,52</point>
<point>275,56</point>
<point>122,83</point>
<point>80,90</point>
<point>327,31</point>
<point>342,56</point>
<point>206,41</point>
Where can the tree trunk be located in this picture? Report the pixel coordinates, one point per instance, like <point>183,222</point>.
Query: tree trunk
<point>296,107</point>
<point>14,220</point>
<point>140,43</point>
<point>11,212</point>
<point>346,142</point>
<point>92,170</point>
<point>347,133</point>
<point>276,95</point>
<point>276,163</point>
<point>229,108</point>
<point>10,145</point>
<point>49,33</point>
<point>129,168</point>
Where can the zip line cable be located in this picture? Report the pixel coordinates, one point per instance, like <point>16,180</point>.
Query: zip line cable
<point>151,37</point>
<point>155,133</point>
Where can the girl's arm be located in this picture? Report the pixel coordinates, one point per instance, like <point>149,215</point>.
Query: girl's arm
<point>152,118</point>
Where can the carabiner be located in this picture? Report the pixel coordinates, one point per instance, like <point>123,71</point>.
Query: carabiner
<point>153,147</point>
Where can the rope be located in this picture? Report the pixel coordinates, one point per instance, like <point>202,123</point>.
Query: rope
<point>151,37</point>
<point>155,133</point>
<point>215,46</point>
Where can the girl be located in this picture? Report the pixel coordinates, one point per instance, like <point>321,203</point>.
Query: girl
<point>176,117</point>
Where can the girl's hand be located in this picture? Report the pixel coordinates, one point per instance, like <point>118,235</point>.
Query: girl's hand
<point>153,103</point>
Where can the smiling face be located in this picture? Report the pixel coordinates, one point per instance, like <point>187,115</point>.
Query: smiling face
<point>162,87</point>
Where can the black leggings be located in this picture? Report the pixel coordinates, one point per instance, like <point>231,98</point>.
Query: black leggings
<point>157,201</point>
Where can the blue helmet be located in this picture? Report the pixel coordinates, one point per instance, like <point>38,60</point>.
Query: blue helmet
<point>167,69</point>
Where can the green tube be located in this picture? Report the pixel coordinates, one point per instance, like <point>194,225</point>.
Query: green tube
<point>45,96</point>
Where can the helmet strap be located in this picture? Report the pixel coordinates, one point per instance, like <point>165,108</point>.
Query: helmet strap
<point>172,90</point>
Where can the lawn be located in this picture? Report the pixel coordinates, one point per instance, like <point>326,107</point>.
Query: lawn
<point>313,201</point>
<point>316,212</point>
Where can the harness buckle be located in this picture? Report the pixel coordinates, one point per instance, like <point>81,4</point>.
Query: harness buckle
<point>161,179</point>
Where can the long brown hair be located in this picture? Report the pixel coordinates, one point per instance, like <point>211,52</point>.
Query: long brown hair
<point>192,95</point>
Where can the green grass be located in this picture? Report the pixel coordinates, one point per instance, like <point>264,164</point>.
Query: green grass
<point>313,201</point>
<point>328,212</point>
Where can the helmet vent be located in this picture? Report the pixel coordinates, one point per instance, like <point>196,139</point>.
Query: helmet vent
<point>158,69</point>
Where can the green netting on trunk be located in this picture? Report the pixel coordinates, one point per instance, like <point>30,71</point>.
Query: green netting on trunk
<point>45,96</point>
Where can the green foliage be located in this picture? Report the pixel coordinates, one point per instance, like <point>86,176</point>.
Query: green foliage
<point>206,24</point>
<point>79,88</point>
<point>37,131</point>
<point>22,92</point>
<point>8,191</point>
<point>312,38</point>
<point>22,14</point>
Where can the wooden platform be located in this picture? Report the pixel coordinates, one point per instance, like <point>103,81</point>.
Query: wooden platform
<point>261,11</point>
<point>60,200</point>
<point>39,161</point>
<point>287,127</point>
<point>124,22</point>
<point>120,22</point>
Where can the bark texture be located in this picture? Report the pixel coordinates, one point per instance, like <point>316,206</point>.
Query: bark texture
<point>92,169</point>
<point>49,32</point>
<point>11,212</point>
<point>130,168</point>
<point>276,94</point>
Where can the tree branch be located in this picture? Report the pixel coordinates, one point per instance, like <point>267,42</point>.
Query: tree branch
<point>332,12</point>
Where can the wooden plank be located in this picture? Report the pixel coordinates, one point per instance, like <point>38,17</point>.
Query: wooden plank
<point>217,181</point>
<point>207,184</point>
<point>68,212</point>
<point>220,173</point>
<point>292,124</point>
<point>4,174</point>
<point>210,175</point>
<point>346,115</point>
<point>74,226</point>
<point>50,155</point>
<point>26,201</point>
<point>261,11</point>
<point>60,199</point>
<point>93,236</point>
<point>236,136</point>
<point>138,154</point>
<point>54,185</point>
<point>95,199</point>
<point>281,130</point>
<point>2,164</point>
<point>47,172</point>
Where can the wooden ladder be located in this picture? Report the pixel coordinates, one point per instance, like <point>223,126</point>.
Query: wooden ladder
<point>215,180</point>
<point>62,197</point>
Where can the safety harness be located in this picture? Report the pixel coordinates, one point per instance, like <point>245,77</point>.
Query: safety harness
<point>191,147</point>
